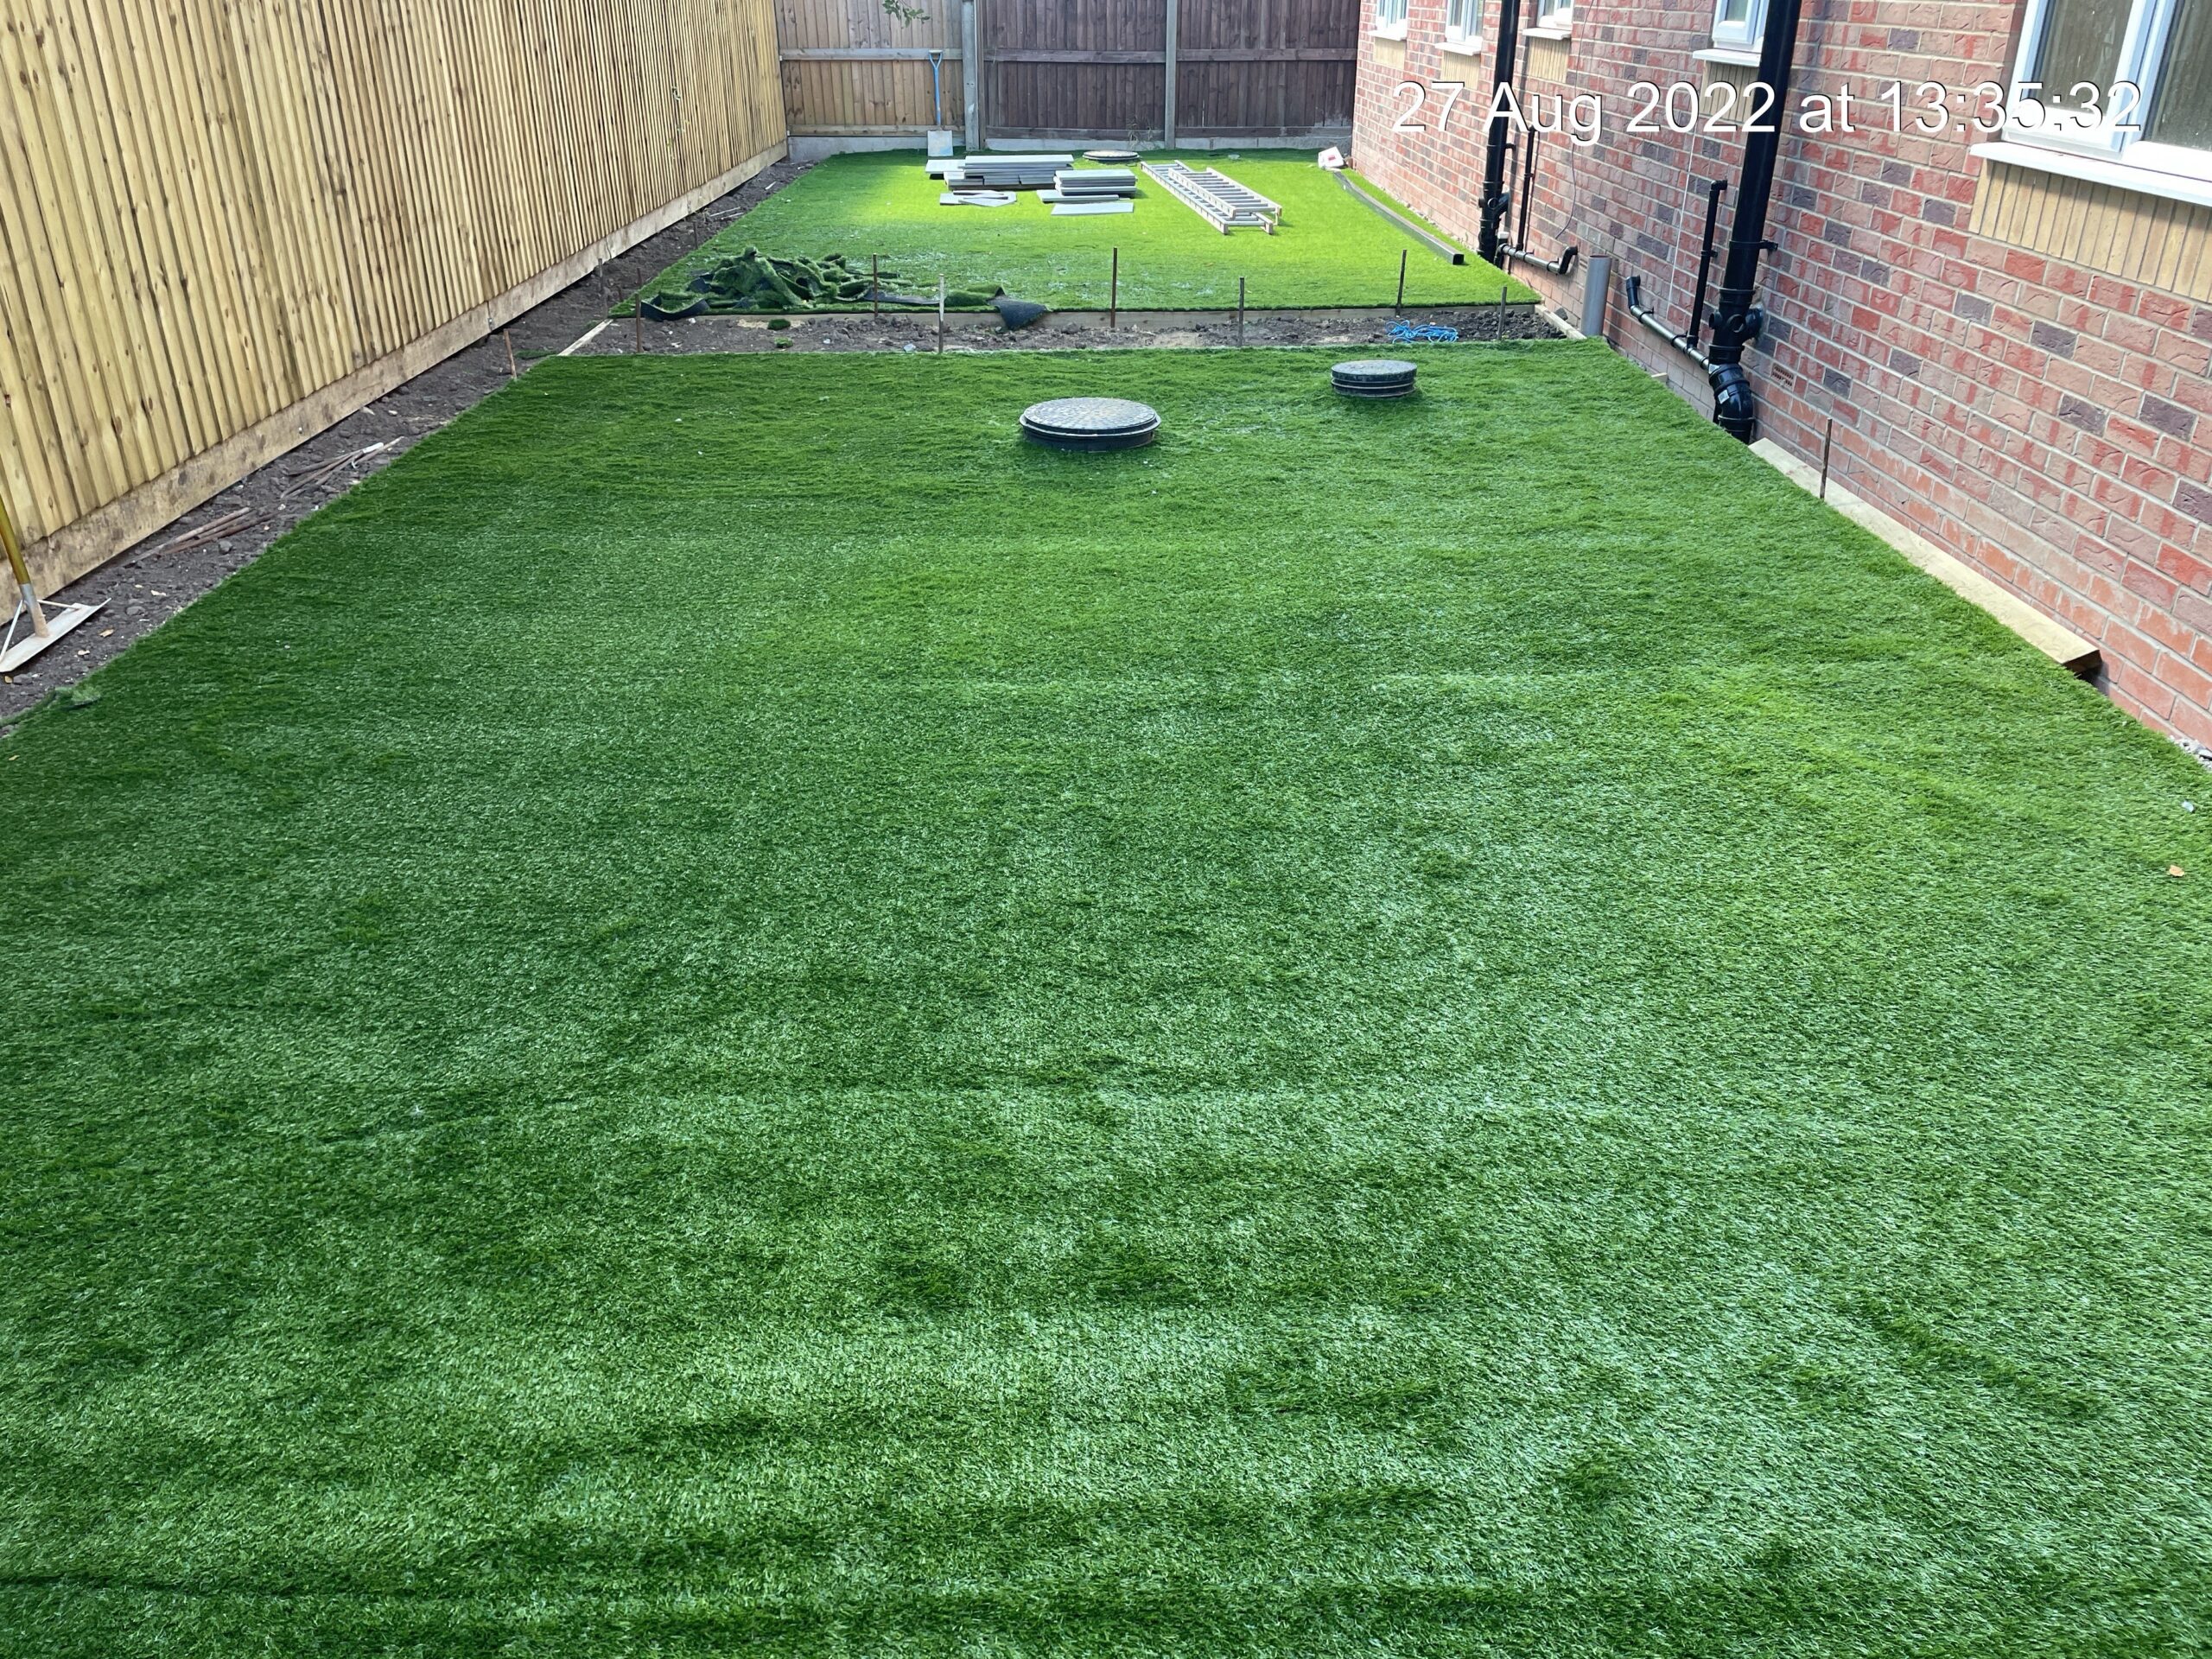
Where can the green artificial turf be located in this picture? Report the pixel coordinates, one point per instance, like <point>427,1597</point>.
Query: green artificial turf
<point>729,1012</point>
<point>1330,252</point>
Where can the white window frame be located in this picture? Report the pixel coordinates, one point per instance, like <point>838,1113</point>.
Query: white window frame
<point>2142,47</point>
<point>1745,35</point>
<point>1463,24</point>
<point>1390,20</point>
<point>1556,14</point>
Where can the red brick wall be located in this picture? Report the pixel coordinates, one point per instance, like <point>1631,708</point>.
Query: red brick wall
<point>2050,424</point>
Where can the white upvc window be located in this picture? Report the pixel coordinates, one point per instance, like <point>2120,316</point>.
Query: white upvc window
<point>1463,22</point>
<point>1390,19</point>
<point>1739,23</point>
<point>1555,14</point>
<point>2127,79</point>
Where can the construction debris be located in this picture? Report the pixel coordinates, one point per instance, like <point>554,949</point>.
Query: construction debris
<point>939,167</point>
<point>310,477</point>
<point>1002,173</point>
<point>1092,184</point>
<point>214,530</point>
<point>1019,314</point>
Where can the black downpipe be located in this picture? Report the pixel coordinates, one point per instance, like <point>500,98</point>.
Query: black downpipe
<point>1497,199</point>
<point>1737,318</point>
<point>1632,292</point>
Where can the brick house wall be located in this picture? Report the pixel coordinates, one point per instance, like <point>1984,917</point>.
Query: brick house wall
<point>2047,422</point>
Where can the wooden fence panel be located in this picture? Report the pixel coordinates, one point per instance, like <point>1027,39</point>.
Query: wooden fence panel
<point>225,224</point>
<point>852,69</point>
<point>1282,67</point>
<point>1056,68</point>
<point>1070,69</point>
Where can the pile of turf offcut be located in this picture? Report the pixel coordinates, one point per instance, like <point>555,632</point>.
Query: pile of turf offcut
<point>754,281</point>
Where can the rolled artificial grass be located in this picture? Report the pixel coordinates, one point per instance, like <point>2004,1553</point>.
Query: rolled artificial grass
<point>729,1010</point>
<point>1331,250</point>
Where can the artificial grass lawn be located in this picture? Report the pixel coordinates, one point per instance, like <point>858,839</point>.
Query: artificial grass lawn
<point>1331,250</point>
<point>729,1011</point>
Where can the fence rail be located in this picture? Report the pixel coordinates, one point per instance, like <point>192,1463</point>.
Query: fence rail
<point>225,224</point>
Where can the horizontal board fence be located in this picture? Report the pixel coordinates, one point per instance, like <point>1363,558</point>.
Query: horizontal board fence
<point>227,223</point>
<point>1120,69</point>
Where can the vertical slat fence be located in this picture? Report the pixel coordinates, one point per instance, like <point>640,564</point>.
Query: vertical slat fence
<point>225,224</point>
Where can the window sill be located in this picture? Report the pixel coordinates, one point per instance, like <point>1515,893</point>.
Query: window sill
<point>1463,48</point>
<point>1743,57</point>
<point>1390,32</point>
<point>1546,32</point>
<point>2120,175</point>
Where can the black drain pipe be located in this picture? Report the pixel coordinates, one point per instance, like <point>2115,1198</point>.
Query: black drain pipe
<point>1562,266</point>
<point>1491,243</point>
<point>1633,287</point>
<point>1737,318</point>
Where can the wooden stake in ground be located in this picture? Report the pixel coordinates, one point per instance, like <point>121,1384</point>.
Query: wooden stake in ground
<point>874,289</point>
<point>940,314</point>
<point>1113,292</point>
<point>1240,310</point>
<point>514,370</point>
<point>1828,441</point>
<point>1399,308</point>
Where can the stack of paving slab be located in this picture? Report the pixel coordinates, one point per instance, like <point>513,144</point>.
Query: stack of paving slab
<point>980,172</point>
<point>939,167</point>
<point>1092,190</point>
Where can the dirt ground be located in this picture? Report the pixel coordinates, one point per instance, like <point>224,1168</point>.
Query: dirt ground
<point>896,331</point>
<point>146,585</point>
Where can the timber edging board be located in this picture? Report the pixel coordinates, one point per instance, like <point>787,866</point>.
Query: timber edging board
<point>2048,635</point>
<point>1421,233</point>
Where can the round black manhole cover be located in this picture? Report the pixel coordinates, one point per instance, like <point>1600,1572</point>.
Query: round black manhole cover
<point>1091,423</point>
<point>1374,377</point>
